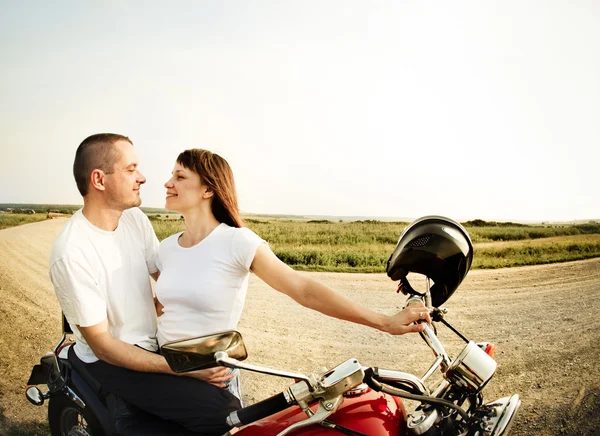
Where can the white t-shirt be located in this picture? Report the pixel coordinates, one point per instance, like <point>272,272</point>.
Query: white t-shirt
<point>101,275</point>
<point>203,288</point>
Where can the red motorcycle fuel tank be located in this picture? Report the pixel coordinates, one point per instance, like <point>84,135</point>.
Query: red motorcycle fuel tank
<point>372,413</point>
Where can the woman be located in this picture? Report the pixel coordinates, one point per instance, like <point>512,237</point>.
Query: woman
<point>204,270</point>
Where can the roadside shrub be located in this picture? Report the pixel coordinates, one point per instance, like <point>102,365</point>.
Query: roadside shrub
<point>589,228</point>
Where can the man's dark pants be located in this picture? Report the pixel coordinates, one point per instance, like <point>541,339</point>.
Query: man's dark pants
<point>195,404</point>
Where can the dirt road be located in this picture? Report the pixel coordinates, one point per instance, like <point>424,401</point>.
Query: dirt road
<point>544,321</point>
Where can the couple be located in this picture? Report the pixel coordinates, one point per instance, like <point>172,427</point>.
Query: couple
<point>102,261</point>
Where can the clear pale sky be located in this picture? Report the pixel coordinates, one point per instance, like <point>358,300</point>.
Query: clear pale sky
<point>366,108</point>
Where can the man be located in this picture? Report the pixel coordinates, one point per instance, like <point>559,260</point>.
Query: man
<point>100,267</point>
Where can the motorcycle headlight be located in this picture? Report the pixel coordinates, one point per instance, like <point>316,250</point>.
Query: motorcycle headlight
<point>472,369</point>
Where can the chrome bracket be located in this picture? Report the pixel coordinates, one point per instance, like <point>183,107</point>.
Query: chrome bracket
<point>74,397</point>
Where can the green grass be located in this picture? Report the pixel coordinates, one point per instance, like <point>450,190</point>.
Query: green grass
<point>16,219</point>
<point>533,252</point>
<point>485,234</point>
<point>166,227</point>
<point>365,246</point>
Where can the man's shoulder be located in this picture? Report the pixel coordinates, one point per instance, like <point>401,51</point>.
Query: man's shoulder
<point>134,220</point>
<point>133,215</point>
<point>71,240</point>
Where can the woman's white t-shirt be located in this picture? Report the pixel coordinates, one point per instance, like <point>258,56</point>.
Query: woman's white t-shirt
<point>203,288</point>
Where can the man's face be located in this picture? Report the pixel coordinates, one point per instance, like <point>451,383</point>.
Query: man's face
<point>123,185</point>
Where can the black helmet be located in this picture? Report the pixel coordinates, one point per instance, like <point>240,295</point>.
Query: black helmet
<point>437,247</point>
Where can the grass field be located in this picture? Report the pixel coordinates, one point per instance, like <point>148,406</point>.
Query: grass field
<point>365,246</point>
<point>16,219</point>
<point>532,252</point>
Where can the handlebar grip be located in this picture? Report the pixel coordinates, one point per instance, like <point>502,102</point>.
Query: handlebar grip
<point>258,411</point>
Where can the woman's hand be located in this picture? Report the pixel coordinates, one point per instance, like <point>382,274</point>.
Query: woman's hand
<point>215,376</point>
<point>402,322</point>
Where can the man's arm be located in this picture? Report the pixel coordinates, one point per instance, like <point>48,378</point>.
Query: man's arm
<point>116,352</point>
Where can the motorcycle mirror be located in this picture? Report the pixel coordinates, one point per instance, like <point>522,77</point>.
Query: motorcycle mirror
<point>199,353</point>
<point>34,395</point>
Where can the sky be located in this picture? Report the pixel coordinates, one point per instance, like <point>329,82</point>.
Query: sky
<point>465,109</point>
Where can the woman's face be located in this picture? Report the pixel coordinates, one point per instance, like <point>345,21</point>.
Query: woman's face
<point>185,190</point>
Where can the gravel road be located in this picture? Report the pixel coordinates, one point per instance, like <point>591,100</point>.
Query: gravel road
<point>543,319</point>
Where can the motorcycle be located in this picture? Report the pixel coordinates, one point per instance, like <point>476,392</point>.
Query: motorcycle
<point>350,398</point>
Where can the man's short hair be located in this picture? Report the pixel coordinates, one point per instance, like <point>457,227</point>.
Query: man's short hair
<point>96,152</point>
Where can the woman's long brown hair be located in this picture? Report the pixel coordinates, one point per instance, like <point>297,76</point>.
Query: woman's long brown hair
<point>215,172</point>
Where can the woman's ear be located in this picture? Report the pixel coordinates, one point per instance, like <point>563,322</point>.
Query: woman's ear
<point>98,180</point>
<point>208,193</point>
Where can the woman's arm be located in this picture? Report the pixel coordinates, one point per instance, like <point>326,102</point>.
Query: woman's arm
<point>314,295</point>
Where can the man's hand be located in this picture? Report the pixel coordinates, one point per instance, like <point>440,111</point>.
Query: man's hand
<point>215,376</point>
<point>402,322</point>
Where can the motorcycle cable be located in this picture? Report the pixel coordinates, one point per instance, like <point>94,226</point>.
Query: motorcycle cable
<point>344,430</point>
<point>438,315</point>
<point>377,386</point>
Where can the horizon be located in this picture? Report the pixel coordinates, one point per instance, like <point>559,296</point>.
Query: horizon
<point>335,108</point>
<point>333,218</point>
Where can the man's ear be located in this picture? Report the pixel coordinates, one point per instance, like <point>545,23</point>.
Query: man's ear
<point>208,193</point>
<point>98,180</point>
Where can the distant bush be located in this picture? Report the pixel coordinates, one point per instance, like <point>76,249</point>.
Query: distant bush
<point>487,234</point>
<point>482,223</point>
<point>253,221</point>
<point>589,228</point>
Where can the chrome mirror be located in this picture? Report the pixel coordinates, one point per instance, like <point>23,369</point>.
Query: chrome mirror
<point>35,396</point>
<point>199,353</point>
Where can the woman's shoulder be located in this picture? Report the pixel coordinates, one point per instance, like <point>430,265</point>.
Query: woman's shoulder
<point>237,232</point>
<point>246,237</point>
<point>170,240</point>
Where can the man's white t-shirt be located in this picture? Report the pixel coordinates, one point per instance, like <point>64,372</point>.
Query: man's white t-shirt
<point>203,288</point>
<point>101,275</point>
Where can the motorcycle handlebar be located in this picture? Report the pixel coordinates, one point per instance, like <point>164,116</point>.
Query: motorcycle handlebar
<point>413,299</point>
<point>257,411</point>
